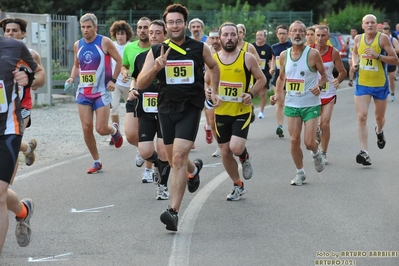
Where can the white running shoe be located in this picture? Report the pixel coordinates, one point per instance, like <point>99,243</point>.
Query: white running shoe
<point>261,115</point>
<point>162,192</point>
<point>324,154</point>
<point>139,161</point>
<point>156,176</point>
<point>319,163</point>
<point>300,177</point>
<point>247,169</point>
<point>236,192</point>
<point>217,153</point>
<point>147,176</point>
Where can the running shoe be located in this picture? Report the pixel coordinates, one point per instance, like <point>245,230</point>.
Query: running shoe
<point>319,163</point>
<point>363,158</point>
<point>261,115</point>
<point>380,139</point>
<point>247,169</point>
<point>217,153</point>
<point>30,156</point>
<point>170,218</point>
<point>111,142</point>
<point>23,232</point>
<point>193,182</point>
<point>162,192</point>
<point>117,138</point>
<point>147,176</point>
<point>236,192</point>
<point>139,161</point>
<point>324,154</point>
<point>156,176</point>
<point>208,134</point>
<point>280,132</point>
<point>393,98</point>
<point>300,177</point>
<point>97,167</point>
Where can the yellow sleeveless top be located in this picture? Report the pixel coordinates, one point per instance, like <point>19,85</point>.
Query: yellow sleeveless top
<point>371,70</point>
<point>234,81</point>
<point>245,47</point>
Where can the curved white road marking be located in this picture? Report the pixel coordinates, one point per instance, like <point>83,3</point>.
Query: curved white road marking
<point>181,243</point>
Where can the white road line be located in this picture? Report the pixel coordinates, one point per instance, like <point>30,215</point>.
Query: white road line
<point>44,169</point>
<point>97,209</point>
<point>181,243</point>
<point>212,165</point>
<point>180,255</point>
<point>52,258</point>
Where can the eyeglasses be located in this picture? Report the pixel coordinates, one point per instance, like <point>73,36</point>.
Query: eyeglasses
<point>387,28</point>
<point>178,22</point>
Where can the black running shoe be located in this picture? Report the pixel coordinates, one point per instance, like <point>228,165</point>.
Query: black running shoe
<point>280,132</point>
<point>380,139</point>
<point>194,182</point>
<point>363,158</point>
<point>170,218</point>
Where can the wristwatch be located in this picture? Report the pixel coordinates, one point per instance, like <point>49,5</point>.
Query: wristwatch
<point>113,80</point>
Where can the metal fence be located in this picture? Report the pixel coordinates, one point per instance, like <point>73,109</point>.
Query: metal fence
<point>64,33</point>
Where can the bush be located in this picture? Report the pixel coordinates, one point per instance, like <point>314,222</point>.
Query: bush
<point>351,16</point>
<point>59,73</point>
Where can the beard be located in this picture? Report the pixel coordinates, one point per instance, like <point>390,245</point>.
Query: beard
<point>298,42</point>
<point>229,46</point>
<point>145,38</point>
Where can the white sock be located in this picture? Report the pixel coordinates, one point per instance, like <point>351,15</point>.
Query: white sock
<point>97,161</point>
<point>302,169</point>
<point>115,130</point>
<point>208,127</point>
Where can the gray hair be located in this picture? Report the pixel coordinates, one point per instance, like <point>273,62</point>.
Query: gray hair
<point>195,20</point>
<point>89,17</point>
<point>323,27</point>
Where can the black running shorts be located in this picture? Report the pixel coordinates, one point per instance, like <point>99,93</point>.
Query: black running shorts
<point>9,150</point>
<point>183,125</point>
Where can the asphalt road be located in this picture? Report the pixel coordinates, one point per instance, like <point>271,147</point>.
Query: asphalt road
<point>341,215</point>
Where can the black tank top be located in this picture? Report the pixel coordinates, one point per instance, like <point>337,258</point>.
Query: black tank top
<point>187,89</point>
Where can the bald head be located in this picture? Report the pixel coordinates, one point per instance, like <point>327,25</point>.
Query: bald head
<point>369,17</point>
<point>369,24</point>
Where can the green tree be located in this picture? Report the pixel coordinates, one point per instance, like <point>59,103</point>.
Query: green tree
<point>351,16</point>
<point>253,20</point>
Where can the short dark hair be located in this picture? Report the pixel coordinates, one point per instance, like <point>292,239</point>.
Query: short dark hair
<point>160,23</point>
<point>227,23</point>
<point>175,8</point>
<point>21,22</point>
<point>284,27</point>
<point>387,21</point>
